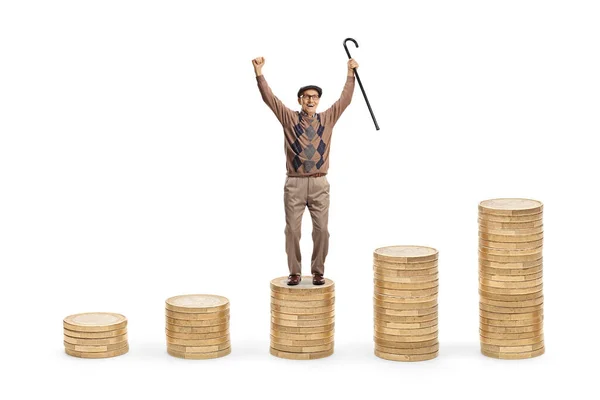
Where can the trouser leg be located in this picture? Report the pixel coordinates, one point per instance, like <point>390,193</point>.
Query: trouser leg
<point>318,205</point>
<point>294,199</point>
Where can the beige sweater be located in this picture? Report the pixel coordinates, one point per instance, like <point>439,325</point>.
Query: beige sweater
<point>307,140</point>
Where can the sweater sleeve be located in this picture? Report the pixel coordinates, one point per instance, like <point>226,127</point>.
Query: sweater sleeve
<point>333,113</point>
<point>282,113</point>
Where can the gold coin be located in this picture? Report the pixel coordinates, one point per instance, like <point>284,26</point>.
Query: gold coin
<point>303,330</point>
<point>511,342</point>
<point>95,342</point>
<point>405,300</point>
<point>395,350</point>
<point>303,304</point>
<point>510,207</point>
<point>280,285</point>
<point>405,320</point>
<point>405,326</point>
<point>511,246</point>
<point>106,354</point>
<point>405,286</point>
<point>509,225</point>
<point>511,272</point>
<point>511,278</point>
<point>297,324</point>
<point>198,329</point>
<point>405,313</point>
<point>511,317</point>
<point>405,293</point>
<point>400,273</point>
<point>405,345</point>
<point>405,339</point>
<point>95,335</point>
<point>199,323</point>
<point>301,343</point>
<point>95,349</point>
<point>196,316</point>
<point>511,232</point>
<point>510,252</point>
<point>405,254</point>
<point>302,349</point>
<point>304,317</point>
<point>95,322</point>
<point>197,303</point>
<point>512,304</point>
<point>404,306</point>
<point>505,238</point>
<point>510,310</point>
<point>510,285</point>
<point>512,330</point>
<point>199,349</point>
<point>406,332</point>
<point>512,349</point>
<point>198,342</point>
<point>511,323</point>
<point>513,356</point>
<point>510,336</point>
<point>406,357</point>
<point>413,266</point>
<point>199,356</point>
<point>509,297</point>
<point>297,336</point>
<point>517,291</point>
<point>510,259</point>
<point>301,296</point>
<point>306,310</point>
<point>196,336</point>
<point>300,356</point>
<point>514,218</point>
<point>409,279</point>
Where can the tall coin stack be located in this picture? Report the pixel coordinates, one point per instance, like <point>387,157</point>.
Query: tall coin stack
<point>95,335</point>
<point>197,326</point>
<point>302,319</point>
<point>510,278</point>
<point>405,303</point>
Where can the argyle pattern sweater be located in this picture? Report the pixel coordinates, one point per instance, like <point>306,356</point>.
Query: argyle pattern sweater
<point>307,140</point>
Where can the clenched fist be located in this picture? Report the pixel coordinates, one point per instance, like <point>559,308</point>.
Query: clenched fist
<point>258,63</point>
<point>351,65</point>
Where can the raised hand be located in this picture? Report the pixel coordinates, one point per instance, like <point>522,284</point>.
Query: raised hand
<point>258,63</point>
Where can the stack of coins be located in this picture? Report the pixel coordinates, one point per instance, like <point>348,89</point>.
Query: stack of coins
<point>302,319</point>
<point>95,335</point>
<point>510,278</point>
<point>197,326</point>
<point>405,303</point>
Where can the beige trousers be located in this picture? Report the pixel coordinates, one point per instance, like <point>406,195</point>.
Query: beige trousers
<point>301,192</point>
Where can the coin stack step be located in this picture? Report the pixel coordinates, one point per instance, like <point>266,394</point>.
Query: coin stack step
<point>405,303</point>
<point>302,319</point>
<point>511,303</point>
<point>197,326</point>
<point>95,335</point>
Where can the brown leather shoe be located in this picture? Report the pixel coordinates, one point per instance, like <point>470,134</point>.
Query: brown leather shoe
<point>293,280</point>
<point>318,279</point>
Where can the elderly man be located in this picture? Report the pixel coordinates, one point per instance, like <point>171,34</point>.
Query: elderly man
<point>307,142</point>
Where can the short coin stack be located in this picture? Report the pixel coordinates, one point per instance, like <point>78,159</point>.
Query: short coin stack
<point>197,326</point>
<point>510,278</point>
<point>405,303</point>
<point>95,335</point>
<point>302,319</point>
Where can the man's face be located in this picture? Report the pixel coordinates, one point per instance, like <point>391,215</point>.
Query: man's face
<point>309,101</point>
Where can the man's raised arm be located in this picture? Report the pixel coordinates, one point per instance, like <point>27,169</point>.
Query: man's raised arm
<point>282,113</point>
<point>334,112</point>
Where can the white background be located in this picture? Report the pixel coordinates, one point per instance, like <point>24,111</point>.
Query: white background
<point>138,162</point>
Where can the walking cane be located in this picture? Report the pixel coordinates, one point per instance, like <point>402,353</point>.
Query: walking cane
<point>360,83</point>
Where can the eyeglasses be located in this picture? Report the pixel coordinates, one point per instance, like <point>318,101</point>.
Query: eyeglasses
<point>310,96</point>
